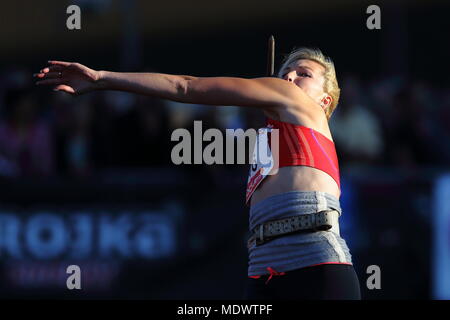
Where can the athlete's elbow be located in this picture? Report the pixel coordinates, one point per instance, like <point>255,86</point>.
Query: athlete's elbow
<point>181,88</point>
<point>184,89</point>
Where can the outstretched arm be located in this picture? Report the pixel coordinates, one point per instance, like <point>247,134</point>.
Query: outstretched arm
<point>267,93</point>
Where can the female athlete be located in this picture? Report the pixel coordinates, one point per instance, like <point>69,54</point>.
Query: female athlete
<point>294,214</point>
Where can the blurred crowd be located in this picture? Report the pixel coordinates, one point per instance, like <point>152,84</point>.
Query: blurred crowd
<point>392,122</point>
<point>385,121</point>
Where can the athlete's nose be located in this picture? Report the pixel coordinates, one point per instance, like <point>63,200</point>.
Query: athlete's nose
<point>290,78</point>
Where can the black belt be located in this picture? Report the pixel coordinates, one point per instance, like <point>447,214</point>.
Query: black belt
<point>318,221</point>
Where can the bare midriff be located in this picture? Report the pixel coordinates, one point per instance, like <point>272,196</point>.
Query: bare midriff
<point>296,178</point>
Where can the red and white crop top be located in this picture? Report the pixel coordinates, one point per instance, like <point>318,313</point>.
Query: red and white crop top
<point>297,145</point>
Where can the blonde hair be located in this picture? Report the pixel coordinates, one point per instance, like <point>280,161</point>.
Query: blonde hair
<point>330,85</point>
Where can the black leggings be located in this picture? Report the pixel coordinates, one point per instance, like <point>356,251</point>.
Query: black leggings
<point>322,282</point>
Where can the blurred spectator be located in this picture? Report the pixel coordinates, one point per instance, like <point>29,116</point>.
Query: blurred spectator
<point>26,147</point>
<point>411,140</point>
<point>356,130</point>
<point>79,139</point>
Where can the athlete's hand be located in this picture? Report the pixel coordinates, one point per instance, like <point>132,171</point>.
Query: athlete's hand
<point>70,77</point>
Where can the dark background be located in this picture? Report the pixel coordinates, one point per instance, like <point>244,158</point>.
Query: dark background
<point>89,181</point>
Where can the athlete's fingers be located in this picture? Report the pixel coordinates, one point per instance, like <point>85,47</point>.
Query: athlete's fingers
<point>59,63</point>
<point>49,81</point>
<point>48,75</point>
<point>52,69</point>
<point>63,87</point>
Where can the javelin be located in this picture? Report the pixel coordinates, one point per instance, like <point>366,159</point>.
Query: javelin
<point>271,57</point>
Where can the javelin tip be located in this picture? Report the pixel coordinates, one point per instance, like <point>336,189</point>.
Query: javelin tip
<point>271,57</point>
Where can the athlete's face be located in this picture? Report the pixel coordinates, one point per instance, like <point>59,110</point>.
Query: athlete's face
<point>308,75</point>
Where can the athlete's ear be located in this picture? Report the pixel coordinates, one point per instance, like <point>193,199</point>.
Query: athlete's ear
<point>326,101</point>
